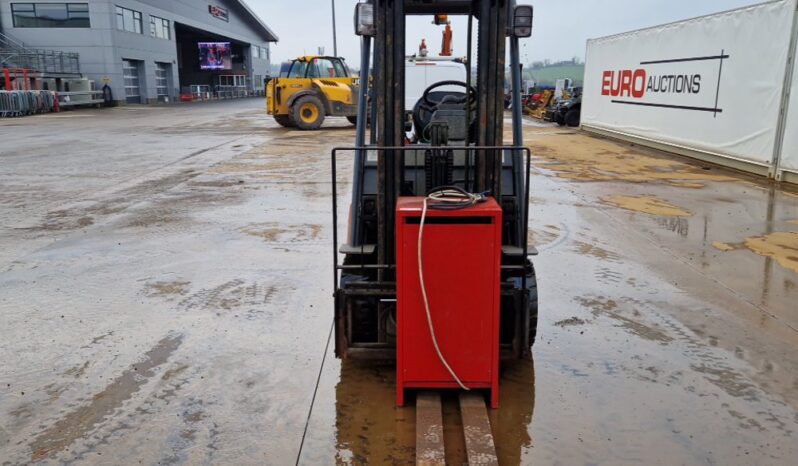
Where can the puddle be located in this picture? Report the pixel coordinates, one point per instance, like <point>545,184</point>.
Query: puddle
<point>600,306</point>
<point>364,426</point>
<point>647,204</point>
<point>640,329</point>
<point>371,429</point>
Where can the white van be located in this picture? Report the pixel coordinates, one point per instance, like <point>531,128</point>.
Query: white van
<point>421,73</point>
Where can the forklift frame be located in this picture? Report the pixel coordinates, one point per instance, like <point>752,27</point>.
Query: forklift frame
<point>368,269</point>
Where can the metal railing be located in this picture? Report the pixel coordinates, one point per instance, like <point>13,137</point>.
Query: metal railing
<point>68,99</point>
<point>205,92</point>
<point>22,103</point>
<point>14,54</point>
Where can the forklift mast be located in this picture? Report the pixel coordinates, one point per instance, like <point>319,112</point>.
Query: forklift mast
<point>389,85</point>
<point>388,168</point>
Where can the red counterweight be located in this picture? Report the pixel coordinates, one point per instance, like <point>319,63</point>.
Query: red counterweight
<point>461,265</point>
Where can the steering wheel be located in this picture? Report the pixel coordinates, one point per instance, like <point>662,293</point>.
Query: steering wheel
<point>428,103</point>
<point>471,94</point>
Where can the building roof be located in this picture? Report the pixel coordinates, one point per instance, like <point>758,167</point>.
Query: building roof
<point>271,36</point>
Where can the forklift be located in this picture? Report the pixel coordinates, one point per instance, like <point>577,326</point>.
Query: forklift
<point>440,166</point>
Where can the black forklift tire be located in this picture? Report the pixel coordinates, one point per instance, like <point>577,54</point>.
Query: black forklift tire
<point>572,117</point>
<point>307,112</point>
<point>284,121</point>
<point>559,119</point>
<point>532,307</point>
<point>352,119</point>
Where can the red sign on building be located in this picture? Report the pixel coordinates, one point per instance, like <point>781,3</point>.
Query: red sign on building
<point>219,12</point>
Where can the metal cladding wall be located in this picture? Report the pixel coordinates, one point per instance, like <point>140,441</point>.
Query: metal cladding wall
<point>709,87</point>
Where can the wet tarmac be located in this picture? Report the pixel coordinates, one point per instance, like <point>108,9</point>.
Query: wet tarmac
<point>165,281</point>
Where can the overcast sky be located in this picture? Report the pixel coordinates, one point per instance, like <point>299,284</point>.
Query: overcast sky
<point>560,27</point>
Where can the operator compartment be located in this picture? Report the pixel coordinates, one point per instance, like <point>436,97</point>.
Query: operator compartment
<point>461,260</point>
<point>437,93</point>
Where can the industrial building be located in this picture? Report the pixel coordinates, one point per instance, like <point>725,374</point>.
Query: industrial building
<point>145,50</point>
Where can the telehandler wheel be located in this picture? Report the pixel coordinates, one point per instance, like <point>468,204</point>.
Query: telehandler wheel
<point>307,113</point>
<point>352,119</point>
<point>283,120</point>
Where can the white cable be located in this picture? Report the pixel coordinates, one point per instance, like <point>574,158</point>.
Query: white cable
<point>439,196</point>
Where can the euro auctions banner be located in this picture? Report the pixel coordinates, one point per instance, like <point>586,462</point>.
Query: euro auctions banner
<point>789,149</point>
<point>711,84</point>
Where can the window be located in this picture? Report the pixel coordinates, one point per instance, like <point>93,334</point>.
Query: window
<point>326,68</point>
<point>50,15</point>
<point>159,27</point>
<point>297,69</point>
<point>130,74</point>
<point>260,52</point>
<point>284,67</point>
<point>128,20</point>
<point>234,80</point>
<point>340,69</point>
<point>162,80</point>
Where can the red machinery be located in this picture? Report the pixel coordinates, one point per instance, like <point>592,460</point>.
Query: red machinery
<point>446,42</point>
<point>461,259</point>
<point>19,79</point>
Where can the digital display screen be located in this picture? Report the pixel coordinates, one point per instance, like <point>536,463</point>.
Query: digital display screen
<point>215,56</point>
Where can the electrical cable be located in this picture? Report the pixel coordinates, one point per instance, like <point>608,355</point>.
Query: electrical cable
<point>315,391</point>
<point>443,198</point>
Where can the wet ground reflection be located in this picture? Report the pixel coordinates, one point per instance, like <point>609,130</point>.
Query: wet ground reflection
<point>364,426</point>
<point>516,408</point>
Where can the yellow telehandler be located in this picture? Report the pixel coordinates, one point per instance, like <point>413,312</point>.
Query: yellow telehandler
<point>311,88</point>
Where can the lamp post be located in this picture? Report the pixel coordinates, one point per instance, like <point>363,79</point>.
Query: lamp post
<point>335,40</point>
